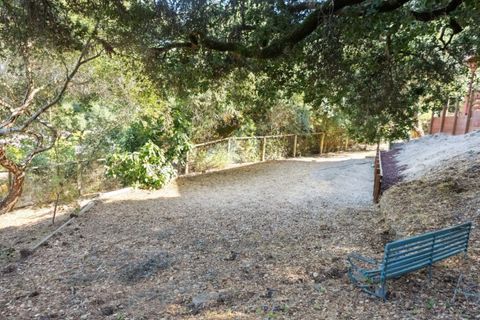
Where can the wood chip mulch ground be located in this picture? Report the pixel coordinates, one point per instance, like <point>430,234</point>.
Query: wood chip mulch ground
<point>266,241</point>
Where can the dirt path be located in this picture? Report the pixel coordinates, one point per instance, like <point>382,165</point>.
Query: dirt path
<point>262,241</point>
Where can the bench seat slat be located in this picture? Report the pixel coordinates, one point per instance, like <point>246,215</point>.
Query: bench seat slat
<point>410,253</point>
<point>421,254</point>
<point>421,265</point>
<point>400,272</point>
<point>447,254</point>
<point>407,260</point>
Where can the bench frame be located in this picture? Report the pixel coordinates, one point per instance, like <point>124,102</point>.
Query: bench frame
<point>406,256</point>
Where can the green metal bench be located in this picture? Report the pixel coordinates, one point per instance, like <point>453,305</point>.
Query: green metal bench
<point>407,255</point>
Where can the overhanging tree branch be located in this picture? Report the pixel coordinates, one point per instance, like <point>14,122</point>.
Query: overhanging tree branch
<point>302,6</point>
<point>276,47</point>
<point>16,113</point>
<point>174,45</point>
<point>431,15</point>
<point>40,146</point>
<point>318,11</point>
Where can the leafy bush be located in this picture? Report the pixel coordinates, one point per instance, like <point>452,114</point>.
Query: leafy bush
<point>246,150</point>
<point>278,148</point>
<point>216,158</point>
<point>146,168</point>
<point>151,149</point>
<point>308,145</point>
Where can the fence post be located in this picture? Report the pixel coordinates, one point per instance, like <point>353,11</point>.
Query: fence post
<point>79,177</point>
<point>322,139</point>
<point>264,145</point>
<point>229,146</point>
<point>444,113</point>
<point>457,102</point>
<point>295,146</point>
<point>430,130</point>
<point>229,149</point>
<point>346,143</point>
<point>186,162</point>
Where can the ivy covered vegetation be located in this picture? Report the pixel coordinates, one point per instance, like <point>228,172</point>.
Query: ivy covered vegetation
<point>137,82</point>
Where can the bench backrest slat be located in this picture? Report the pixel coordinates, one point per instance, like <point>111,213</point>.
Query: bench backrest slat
<point>411,254</point>
<point>443,232</point>
<point>425,247</point>
<point>401,245</point>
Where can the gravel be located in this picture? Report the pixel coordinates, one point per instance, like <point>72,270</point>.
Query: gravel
<point>422,155</point>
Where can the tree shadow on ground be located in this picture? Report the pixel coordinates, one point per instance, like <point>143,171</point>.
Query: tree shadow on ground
<point>264,240</point>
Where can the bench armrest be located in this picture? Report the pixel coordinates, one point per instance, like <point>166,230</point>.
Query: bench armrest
<point>364,278</point>
<point>355,256</point>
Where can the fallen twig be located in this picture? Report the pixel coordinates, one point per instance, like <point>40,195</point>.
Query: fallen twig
<point>26,252</point>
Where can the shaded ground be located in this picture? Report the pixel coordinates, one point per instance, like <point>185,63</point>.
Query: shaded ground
<point>392,171</point>
<point>255,242</point>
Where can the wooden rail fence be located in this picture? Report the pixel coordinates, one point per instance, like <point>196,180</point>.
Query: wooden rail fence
<point>84,177</point>
<point>452,120</point>
<point>263,140</point>
<point>82,184</point>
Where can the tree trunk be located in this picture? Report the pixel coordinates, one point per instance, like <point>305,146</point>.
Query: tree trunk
<point>16,188</point>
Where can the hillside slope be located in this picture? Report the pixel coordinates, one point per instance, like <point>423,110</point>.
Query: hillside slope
<point>441,188</point>
<point>430,154</point>
<point>441,184</point>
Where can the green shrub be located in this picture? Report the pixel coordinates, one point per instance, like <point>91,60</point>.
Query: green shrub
<point>146,168</point>
<point>247,150</point>
<point>212,158</point>
<point>278,148</point>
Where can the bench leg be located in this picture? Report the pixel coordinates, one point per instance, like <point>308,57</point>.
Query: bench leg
<point>456,289</point>
<point>381,292</point>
